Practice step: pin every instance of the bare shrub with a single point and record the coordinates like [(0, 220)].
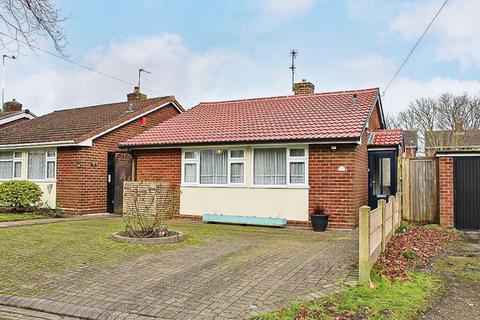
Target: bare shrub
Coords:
[(147, 208)]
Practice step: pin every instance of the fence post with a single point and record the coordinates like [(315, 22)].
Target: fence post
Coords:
[(364, 245), (381, 206), (394, 207)]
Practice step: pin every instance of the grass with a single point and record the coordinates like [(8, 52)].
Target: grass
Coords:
[(466, 268), (5, 217), (392, 300), (34, 255)]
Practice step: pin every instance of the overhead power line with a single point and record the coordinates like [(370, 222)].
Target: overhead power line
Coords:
[(414, 47), (76, 63)]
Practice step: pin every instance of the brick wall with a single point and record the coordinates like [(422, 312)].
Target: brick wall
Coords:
[(445, 181), (84, 190), (159, 165), (331, 188), (12, 123)]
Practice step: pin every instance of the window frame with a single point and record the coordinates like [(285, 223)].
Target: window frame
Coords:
[(47, 160), (12, 160), (288, 160), (196, 161)]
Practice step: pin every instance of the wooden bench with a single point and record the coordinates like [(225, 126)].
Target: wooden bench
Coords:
[(245, 220)]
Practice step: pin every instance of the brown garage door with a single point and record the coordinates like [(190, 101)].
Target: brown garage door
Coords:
[(467, 192)]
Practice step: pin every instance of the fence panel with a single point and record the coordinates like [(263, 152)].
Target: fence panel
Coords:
[(420, 185), (375, 231)]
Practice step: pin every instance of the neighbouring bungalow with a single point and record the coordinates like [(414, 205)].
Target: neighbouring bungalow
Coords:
[(73, 154), (275, 157), (13, 114), (410, 137)]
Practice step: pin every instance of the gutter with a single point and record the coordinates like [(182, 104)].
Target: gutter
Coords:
[(68, 143)]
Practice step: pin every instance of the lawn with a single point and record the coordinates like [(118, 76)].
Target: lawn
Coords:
[(5, 217), (34, 255)]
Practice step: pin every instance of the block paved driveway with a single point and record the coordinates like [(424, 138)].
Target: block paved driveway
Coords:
[(230, 279)]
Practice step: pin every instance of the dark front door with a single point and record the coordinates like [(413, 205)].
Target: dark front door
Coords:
[(466, 192), (119, 171), (110, 182), (382, 176)]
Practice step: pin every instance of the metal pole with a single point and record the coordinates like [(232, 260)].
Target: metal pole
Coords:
[(3, 81), (3, 76)]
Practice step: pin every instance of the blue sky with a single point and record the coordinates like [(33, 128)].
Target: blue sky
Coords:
[(208, 50)]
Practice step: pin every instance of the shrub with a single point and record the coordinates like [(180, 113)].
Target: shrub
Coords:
[(319, 210), (410, 255), (19, 194)]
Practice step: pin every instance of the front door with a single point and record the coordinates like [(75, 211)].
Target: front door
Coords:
[(382, 176), (119, 171), (111, 182)]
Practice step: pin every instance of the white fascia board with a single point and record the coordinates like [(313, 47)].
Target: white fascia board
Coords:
[(89, 142), (67, 143), (459, 154), (16, 117)]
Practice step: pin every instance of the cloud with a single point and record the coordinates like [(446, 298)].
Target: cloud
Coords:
[(191, 76), (457, 28), (271, 13)]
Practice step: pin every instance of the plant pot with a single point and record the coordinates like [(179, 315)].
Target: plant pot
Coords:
[(319, 222)]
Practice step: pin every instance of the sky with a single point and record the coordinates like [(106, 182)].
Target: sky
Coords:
[(211, 50)]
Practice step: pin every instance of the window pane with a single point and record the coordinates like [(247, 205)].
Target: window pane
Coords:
[(36, 165), (18, 154), (237, 154), (6, 155), (297, 152), (190, 155), (6, 169), (213, 166), (50, 169), (190, 172), (270, 167), (236, 173), (51, 153), (386, 176), (17, 173), (297, 172)]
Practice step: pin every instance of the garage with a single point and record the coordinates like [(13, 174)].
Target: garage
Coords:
[(466, 181)]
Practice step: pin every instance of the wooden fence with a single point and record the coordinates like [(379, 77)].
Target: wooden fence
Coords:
[(420, 189), (375, 231)]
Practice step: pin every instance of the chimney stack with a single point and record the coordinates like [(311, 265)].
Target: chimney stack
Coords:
[(136, 95), (304, 87), (12, 106)]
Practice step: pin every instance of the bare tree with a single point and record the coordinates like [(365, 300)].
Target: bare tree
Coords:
[(437, 120), (25, 20)]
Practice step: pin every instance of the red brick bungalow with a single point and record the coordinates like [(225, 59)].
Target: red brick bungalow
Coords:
[(275, 157), (73, 154)]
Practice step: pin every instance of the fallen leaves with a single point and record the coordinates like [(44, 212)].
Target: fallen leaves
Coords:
[(412, 249)]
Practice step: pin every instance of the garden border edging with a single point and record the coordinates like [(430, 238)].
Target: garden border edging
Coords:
[(177, 237)]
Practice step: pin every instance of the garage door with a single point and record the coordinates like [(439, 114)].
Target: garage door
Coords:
[(467, 192)]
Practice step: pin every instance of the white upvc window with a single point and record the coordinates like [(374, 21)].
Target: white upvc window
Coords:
[(213, 167), (42, 164), (280, 166), (236, 166), (10, 165), (190, 167)]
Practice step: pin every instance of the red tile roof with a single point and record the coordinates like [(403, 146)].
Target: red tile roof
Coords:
[(79, 124), (385, 137), (289, 118)]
